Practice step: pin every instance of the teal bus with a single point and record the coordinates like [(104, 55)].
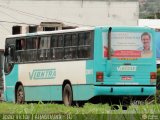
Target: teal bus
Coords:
[(79, 64)]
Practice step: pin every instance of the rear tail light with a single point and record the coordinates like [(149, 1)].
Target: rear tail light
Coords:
[(99, 76), (153, 77)]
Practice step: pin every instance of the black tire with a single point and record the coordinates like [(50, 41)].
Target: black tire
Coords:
[(67, 95), (79, 103), (20, 96)]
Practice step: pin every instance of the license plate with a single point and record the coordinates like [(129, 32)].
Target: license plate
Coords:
[(126, 78)]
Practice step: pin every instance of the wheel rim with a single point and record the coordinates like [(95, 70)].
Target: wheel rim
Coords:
[(20, 96), (67, 97)]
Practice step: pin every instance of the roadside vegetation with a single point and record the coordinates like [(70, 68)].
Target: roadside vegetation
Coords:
[(88, 112)]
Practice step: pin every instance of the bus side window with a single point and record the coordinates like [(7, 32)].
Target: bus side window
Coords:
[(80, 43), (44, 52), (59, 51), (70, 47), (87, 43), (11, 53), (87, 39), (20, 44), (29, 47), (54, 43), (67, 46), (31, 51), (9, 58), (36, 42), (84, 45), (81, 39), (20, 47), (74, 46), (57, 47), (8, 53)]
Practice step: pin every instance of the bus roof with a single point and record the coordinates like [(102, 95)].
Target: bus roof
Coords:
[(71, 30), (51, 32)]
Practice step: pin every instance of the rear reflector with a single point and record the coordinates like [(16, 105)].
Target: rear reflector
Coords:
[(153, 77), (99, 76)]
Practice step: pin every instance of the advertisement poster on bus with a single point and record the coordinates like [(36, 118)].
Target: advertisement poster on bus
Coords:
[(128, 45)]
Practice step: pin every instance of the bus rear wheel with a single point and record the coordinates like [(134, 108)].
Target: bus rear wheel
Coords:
[(20, 95), (67, 95)]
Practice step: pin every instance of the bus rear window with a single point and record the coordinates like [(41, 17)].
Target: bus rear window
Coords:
[(129, 45)]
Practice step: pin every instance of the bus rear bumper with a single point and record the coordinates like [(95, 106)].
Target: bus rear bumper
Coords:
[(125, 90)]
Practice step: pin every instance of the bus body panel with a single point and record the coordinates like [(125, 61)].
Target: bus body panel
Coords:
[(125, 90), (54, 92), (10, 83), (52, 73), (142, 67), (43, 93), (50, 87), (42, 79)]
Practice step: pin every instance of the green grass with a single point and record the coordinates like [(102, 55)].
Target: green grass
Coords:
[(88, 111), (40, 108)]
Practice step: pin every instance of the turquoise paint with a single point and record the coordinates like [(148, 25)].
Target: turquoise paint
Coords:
[(89, 71), (54, 93), (112, 75), (108, 68), (125, 90), (38, 74), (43, 93), (9, 94), (10, 81), (82, 92)]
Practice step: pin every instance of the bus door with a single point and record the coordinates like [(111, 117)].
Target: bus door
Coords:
[(9, 58)]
